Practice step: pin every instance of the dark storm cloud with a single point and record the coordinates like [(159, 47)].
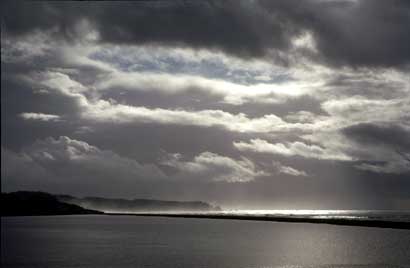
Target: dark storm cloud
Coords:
[(356, 33), (238, 28), (365, 32), (149, 142), (64, 164), (388, 147), (367, 84), (19, 96), (394, 136)]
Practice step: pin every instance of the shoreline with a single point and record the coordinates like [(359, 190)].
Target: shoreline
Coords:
[(344, 222), (403, 225)]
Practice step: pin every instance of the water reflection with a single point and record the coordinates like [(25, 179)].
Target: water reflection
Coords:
[(127, 241)]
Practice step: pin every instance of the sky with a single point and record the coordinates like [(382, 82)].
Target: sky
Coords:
[(247, 104)]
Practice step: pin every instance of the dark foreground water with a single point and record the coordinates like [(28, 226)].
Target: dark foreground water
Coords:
[(130, 241)]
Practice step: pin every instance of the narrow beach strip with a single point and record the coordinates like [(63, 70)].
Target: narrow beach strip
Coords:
[(274, 218)]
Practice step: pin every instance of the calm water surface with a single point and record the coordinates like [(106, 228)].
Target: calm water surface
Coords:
[(129, 241)]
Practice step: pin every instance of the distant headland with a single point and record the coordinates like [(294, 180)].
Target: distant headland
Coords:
[(26, 203), (136, 205)]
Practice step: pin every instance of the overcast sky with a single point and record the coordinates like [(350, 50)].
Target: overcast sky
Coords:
[(249, 104)]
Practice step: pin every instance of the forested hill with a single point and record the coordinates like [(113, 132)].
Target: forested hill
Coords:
[(24, 203)]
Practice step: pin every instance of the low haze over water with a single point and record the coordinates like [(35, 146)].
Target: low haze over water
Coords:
[(129, 241)]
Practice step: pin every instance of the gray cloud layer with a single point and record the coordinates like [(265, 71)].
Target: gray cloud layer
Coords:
[(356, 33)]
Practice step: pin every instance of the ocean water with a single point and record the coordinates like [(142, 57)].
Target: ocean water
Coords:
[(135, 241)]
